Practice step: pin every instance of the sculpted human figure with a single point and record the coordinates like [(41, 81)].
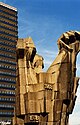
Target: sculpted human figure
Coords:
[(63, 69), (46, 98)]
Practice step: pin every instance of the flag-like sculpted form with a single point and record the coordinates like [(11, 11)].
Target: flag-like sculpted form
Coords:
[(46, 98)]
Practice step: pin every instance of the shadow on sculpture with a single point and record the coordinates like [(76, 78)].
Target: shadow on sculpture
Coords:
[(46, 98)]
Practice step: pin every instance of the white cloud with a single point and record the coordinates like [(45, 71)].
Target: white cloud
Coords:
[(78, 67), (75, 119), (75, 116)]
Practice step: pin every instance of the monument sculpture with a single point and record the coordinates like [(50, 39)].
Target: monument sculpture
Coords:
[(46, 98)]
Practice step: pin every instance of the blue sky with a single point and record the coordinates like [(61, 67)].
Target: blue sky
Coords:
[(45, 21)]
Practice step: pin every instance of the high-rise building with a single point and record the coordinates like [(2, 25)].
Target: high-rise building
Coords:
[(8, 40)]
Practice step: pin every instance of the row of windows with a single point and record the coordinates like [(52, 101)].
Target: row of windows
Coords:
[(8, 11), (8, 31), (8, 20), (8, 16), (8, 73), (10, 28), (7, 80), (7, 61), (13, 59), (6, 106), (12, 18), (7, 86), (5, 26), (7, 99), (8, 34), (8, 45), (6, 113), (7, 49), (7, 39), (13, 69), (8, 24), (8, 56), (7, 92), (7, 67)]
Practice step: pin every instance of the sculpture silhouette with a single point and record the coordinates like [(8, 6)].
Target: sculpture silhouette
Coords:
[(46, 98)]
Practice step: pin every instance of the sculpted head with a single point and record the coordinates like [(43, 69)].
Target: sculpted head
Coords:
[(30, 49)]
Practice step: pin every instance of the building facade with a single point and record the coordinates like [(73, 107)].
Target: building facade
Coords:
[(8, 39)]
